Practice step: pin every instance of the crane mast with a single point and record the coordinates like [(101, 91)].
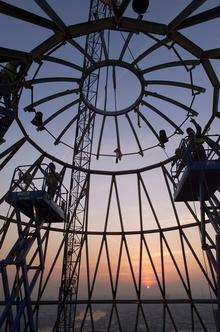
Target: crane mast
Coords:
[(77, 219)]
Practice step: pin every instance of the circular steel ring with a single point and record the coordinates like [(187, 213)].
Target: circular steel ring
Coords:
[(116, 63)]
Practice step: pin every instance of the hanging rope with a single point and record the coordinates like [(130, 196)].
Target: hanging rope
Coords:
[(114, 86)]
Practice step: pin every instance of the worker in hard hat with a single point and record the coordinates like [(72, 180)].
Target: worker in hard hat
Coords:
[(195, 142), (8, 76), (52, 180), (181, 158), (191, 150)]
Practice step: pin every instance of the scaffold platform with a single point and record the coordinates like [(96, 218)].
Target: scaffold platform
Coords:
[(188, 187), (36, 203)]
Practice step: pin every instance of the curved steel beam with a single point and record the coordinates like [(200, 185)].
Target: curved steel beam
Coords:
[(172, 101), (162, 115), (60, 111), (109, 233), (171, 65), (51, 97), (131, 24), (126, 23), (94, 171), (82, 29), (175, 84)]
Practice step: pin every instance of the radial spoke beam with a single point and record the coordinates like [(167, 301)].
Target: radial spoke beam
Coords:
[(47, 45), (53, 80), (151, 49), (26, 16), (51, 13), (195, 4), (172, 101), (75, 118), (10, 152), (162, 115), (62, 62), (117, 134), (208, 15), (175, 84), (51, 97), (104, 47), (171, 65), (60, 111), (149, 125), (134, 133), (100, 136), (127, 41), (81, 50)]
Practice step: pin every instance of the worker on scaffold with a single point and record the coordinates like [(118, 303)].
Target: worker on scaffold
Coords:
[(191, 150), (8, 76), (52, 180), (195, 142)]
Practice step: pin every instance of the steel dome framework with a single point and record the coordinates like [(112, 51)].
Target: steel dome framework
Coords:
[(27, 273)]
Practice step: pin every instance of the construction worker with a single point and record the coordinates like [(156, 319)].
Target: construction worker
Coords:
[(180, 160), (7, 78), (118, 154), (52, 180), (195, 142), (191, 150)]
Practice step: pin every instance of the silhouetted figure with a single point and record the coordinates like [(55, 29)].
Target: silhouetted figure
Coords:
[(193, 150), (195, 142), (118, 154), (52, 180), (8, 76)]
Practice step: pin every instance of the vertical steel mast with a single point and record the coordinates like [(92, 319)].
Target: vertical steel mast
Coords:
[(79, 185)]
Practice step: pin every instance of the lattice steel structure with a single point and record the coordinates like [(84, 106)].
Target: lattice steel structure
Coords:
[(79, 185), (112, 261)]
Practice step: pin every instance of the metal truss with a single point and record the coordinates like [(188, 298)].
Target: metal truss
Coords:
[(25, 279), (79, 185)]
